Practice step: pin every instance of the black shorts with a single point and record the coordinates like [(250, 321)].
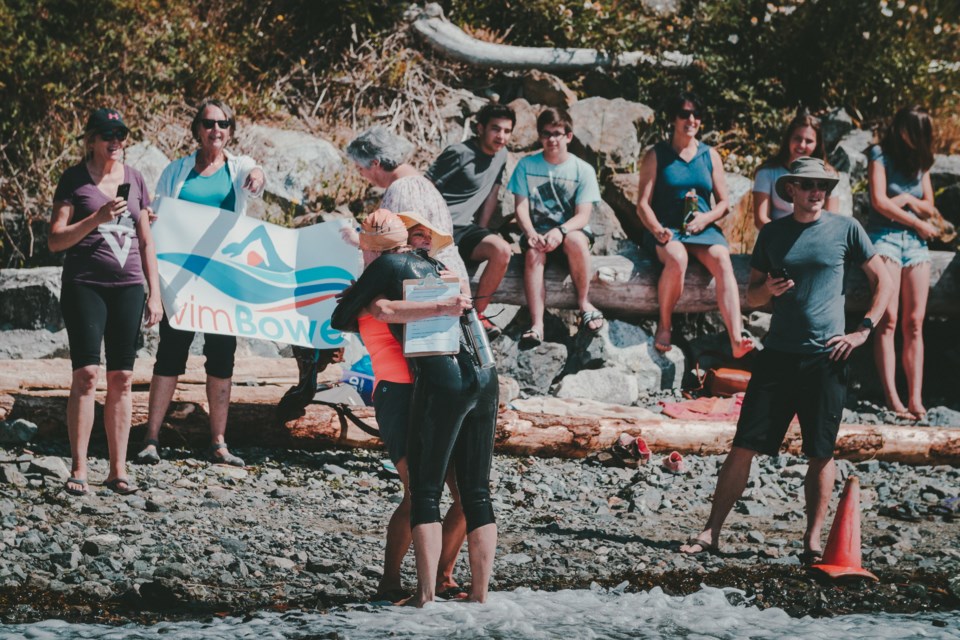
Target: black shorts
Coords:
[(109, 316), (468, 237), (811, 386), (174, 349), (391, 402)]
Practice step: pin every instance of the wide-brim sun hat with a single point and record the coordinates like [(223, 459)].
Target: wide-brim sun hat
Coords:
[(805, 168), (381, 231), (104, 120), (439, 239)]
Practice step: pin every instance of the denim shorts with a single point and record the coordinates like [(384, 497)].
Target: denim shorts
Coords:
[(903, 247)]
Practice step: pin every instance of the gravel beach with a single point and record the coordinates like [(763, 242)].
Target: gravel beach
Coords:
[(305, 529)]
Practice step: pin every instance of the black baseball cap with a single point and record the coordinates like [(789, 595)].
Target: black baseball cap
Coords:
[(105, 120)]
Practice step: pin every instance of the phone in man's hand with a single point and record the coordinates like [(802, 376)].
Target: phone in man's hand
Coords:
[(123, 191), (780, 273)]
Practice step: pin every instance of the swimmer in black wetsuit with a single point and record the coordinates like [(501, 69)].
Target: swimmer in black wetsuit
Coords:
[(453, 417)]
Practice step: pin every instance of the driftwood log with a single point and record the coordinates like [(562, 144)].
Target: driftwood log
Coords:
[(628, 286), (41, 397), (450, 41)]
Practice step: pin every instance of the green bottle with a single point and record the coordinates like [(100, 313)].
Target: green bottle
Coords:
[(690, 209)]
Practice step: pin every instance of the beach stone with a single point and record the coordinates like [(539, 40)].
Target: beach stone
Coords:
[(758, 324), (945, 171), (516, 558), (51, 466), (280, 563), (546, 89), (17, 431), (536, 368), (33, 344), (69, 560), (10, 474), (943, 417), (607, 130), (100, 544), (610, 238), (610, 384)]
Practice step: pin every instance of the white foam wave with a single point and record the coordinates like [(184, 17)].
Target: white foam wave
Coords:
[(528, 615)]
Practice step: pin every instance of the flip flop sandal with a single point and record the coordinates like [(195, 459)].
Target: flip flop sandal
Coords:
[(531, 338), (903, 512), (121, 486), (76, 492), (393, 596), (453, 593), (810, 557), (224, 458), (147, 456), (586, 317), (705, 547)]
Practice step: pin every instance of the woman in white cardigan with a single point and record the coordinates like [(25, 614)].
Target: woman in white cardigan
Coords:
[(213, 177)]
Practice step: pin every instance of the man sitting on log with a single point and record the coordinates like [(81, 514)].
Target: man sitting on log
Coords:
[(799, 263), (468, 176), (555, 194)]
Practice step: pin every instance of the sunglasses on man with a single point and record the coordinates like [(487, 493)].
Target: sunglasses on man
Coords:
[(223, 124), (116, 134), (810, 185)]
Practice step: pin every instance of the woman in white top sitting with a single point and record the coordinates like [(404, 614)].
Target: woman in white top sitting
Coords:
[(800, 138)]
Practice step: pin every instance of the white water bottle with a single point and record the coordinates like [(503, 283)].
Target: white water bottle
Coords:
[(478, 338)]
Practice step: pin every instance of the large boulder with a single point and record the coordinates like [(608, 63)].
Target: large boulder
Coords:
[(606, 131), (610, 237), (609, 384), (524, 135), (620, 191), (835, 124), (850, 154), (30, 299), (32, 344), (149, 160), (546, 89), (296, 163), (630, 348), (945, 171), (533, 369)]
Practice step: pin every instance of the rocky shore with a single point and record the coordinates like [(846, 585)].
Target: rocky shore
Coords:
[(304, 529)]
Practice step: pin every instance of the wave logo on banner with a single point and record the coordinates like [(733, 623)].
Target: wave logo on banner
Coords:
[(272, 283)]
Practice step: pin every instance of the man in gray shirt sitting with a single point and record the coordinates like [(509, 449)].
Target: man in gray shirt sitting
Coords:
[(469, 175), (799, 263)]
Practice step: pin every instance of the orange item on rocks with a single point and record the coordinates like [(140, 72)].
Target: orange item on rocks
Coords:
[(706, 408), (841, 558)]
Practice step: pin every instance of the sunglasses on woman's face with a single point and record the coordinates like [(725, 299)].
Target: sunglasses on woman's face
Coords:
[(110, 136), (223, 124), (810, 185), (684, 114)]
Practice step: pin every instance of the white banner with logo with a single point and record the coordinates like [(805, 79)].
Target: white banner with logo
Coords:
[(225, 273)]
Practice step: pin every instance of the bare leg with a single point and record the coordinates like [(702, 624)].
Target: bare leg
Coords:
[(884, 350), (534, 263), (427, 542), (454, 533), (482, 546), (398, 536), (577, 249), (716, 258), (915, 291), (731, 482), (817, 489), (80, 409), (117, 412), (162, 389), (218, 396), (669, 289), (495, 251)]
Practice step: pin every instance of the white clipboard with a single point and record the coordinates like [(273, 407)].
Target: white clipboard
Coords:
[(431, 336)]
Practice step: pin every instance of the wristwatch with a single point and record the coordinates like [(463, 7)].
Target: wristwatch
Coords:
[(563, 230), (868, 323)]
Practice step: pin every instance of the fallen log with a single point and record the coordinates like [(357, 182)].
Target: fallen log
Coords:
[(253, 422), (450, 41), (627, 285)]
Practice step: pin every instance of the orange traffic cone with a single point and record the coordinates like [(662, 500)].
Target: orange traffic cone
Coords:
[(842, 555)]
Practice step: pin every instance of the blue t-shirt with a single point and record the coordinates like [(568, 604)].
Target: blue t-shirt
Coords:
[(897, 183), (554, 190), (213, 191), (675, 177), (815, 254)]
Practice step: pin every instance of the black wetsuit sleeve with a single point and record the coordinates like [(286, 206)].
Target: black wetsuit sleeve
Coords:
[(373, 282)]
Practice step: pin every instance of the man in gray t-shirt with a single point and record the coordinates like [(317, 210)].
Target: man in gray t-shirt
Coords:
[(798, 263), (468, 176)]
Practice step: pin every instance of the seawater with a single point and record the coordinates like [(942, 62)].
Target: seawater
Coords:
[(529, 615)]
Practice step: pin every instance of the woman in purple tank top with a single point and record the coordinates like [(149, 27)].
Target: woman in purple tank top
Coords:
[(101, 221)]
